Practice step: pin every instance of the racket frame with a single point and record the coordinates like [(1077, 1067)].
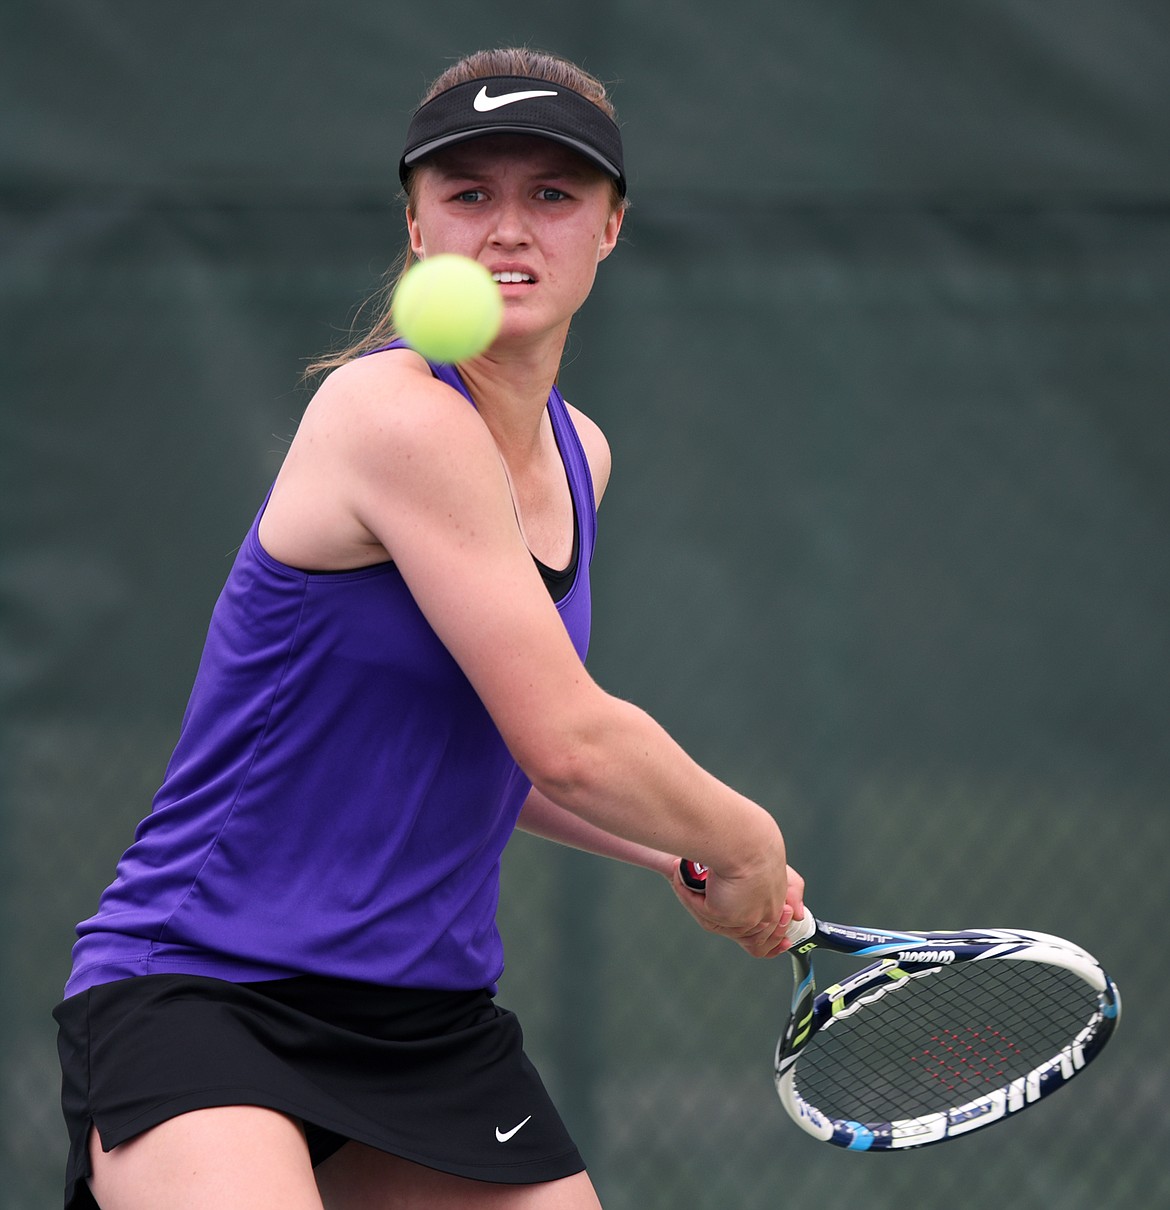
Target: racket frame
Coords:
[(899, 957), (905, 956)]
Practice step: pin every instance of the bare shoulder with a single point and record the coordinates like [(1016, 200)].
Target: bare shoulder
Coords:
[(386, 392), (387, 413), (379, 437), (596, 447)]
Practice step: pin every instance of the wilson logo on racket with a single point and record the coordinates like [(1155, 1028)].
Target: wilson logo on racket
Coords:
[(934, 956)]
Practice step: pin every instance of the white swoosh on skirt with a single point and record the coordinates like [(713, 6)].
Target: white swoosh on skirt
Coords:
[(502, 1136)]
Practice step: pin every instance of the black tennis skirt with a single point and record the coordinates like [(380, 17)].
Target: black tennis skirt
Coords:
[(440, 1078)]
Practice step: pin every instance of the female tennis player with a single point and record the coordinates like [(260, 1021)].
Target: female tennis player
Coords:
[(285, 998)]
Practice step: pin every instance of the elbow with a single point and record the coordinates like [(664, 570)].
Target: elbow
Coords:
[(567, 759), (564, 771)]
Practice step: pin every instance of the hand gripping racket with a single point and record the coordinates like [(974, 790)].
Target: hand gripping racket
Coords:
[(945, 1033)]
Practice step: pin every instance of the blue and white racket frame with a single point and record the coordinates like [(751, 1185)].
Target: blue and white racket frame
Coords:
[(897, 960), (905, 956)]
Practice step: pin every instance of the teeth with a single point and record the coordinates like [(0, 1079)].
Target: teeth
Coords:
[(510, 277)]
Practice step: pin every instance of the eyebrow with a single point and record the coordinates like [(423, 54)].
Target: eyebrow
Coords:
[(452, 166)]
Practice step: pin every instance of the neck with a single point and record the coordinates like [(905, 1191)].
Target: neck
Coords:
[(510, 387)]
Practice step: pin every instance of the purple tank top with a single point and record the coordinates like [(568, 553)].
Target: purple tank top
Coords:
[(338, 799)]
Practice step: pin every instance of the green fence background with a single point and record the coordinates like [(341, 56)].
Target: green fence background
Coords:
[(885, 364)]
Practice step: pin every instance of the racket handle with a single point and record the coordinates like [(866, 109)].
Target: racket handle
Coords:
[(694, 876)]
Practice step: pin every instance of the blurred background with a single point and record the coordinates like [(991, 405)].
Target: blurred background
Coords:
[(883, 358)]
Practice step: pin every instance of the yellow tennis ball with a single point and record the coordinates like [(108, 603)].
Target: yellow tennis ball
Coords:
[(448, 308)]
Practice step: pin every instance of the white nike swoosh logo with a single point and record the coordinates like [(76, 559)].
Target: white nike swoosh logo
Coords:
[(502, 1136), (485, 104)]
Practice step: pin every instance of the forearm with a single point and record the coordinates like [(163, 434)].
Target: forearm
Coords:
[(542, 817), (616, 783), (624, 775)]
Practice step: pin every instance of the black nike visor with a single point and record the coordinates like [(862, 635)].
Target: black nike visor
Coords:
[(515, 105)]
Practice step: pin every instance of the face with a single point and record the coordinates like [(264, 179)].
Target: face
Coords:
[(536, 214)]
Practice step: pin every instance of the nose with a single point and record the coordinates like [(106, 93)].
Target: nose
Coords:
[(511, 228)]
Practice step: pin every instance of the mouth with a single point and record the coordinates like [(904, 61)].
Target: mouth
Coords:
[(512, 277)]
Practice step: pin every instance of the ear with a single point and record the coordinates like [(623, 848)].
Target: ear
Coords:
[(416, 239), (609, 237)]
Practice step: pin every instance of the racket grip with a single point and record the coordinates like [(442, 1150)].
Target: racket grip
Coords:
[(694, 877)]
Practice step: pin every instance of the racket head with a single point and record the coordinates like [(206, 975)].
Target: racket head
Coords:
[(944, 1035)]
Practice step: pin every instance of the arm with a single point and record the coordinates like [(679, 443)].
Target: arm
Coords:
[(388, 459), (542, 817)]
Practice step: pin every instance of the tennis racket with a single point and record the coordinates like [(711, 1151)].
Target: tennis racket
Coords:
[(944, 1034)]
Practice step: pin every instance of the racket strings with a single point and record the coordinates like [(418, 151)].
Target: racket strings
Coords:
[(941, 1040)]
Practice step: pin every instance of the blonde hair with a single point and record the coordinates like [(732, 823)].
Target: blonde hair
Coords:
[(508, 61)]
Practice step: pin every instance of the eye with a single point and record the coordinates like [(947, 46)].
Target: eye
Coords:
[(469, 196), (552, 194)]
